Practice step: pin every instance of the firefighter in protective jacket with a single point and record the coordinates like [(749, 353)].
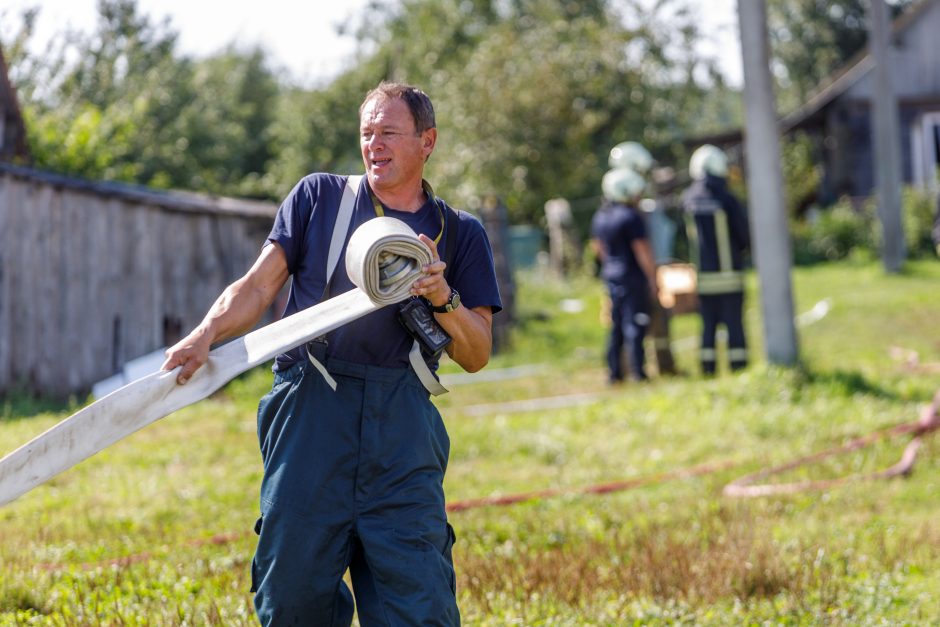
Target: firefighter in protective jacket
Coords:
[(718, 239)]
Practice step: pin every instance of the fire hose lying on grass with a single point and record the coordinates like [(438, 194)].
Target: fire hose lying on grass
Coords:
[(929, 421), (744, 487), (748, 485), (375, 247)]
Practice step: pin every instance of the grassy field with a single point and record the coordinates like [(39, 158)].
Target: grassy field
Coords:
[(156, 529)]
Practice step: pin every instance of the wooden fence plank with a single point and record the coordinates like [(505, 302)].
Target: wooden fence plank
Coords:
[(90, 278)]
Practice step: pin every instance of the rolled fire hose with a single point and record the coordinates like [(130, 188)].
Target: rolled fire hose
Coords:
[(383, 259)]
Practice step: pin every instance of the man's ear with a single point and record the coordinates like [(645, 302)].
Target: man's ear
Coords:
[(428, 141)]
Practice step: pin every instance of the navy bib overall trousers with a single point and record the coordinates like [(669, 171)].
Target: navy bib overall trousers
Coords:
[(353, 478)]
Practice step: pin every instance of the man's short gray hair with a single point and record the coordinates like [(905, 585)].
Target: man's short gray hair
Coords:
[(418, 102)]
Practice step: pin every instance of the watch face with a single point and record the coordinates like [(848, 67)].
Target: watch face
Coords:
[(453, 302)]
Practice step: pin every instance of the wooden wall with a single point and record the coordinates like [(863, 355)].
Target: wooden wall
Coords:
[(914, 57), (94, 275), (915, 74)]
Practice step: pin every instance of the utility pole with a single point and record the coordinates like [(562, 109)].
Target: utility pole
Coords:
[(886, 132), (769, 225)]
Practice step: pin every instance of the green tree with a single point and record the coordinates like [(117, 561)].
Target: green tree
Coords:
[(227, 126), (811, 39), (318, 130), (532, 94), (104, 105), (121, 104)]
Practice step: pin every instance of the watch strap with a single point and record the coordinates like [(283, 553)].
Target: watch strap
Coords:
[(453, 302)]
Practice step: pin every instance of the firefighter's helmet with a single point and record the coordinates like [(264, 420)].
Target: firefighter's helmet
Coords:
[(630, 155), (708, 159), (622, 185)]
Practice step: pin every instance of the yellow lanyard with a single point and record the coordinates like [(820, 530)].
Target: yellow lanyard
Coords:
[(380, 211)]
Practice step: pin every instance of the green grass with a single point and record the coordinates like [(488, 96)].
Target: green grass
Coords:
[(156, 530)]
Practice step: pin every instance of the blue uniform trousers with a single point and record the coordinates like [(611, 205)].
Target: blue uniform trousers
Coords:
[(630, 318), (353, 479)]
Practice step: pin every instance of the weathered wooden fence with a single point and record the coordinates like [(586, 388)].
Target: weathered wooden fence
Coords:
[(93, 275)]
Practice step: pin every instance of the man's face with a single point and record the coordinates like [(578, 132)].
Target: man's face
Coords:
[(393, 152)]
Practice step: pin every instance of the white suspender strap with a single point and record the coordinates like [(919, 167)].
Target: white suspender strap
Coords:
[(421, 368), (341, 227), (340, 230), (428, 380), (330, 381)]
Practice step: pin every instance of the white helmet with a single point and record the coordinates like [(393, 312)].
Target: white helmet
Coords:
[(622, 184), (708, 159), (630, 155)]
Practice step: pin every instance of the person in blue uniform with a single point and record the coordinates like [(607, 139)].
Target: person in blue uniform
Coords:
[(634, 156), (620, 242), (353, 477), (718, 237)]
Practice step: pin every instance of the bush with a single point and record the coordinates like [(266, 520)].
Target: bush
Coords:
[(845, 229), (918, 214), (835, 233), (801, 174)]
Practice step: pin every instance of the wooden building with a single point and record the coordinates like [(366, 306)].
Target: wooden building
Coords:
[(838, 114), (93, 275)]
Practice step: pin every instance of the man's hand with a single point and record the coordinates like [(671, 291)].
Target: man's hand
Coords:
[(191, 353), (432, 285), (470, 329)]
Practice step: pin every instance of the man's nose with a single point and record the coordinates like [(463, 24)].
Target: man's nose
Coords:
[(375, 142)]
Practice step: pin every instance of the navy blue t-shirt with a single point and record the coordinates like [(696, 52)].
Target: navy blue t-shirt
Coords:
[(303, 227), (617, 225)]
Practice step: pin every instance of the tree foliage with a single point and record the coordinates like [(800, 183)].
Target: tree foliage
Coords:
[(120, 103), (813, 38), (530, 96)]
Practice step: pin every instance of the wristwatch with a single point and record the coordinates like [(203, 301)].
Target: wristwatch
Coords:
[(452, 303)]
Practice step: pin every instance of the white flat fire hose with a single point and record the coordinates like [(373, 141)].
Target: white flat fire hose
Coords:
[(383, 259)]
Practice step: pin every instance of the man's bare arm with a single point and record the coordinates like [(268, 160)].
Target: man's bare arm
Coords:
[(471, 329), (240, 306), (472, 333)]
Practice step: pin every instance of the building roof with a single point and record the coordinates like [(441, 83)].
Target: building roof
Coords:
[(830, 88), (173, 200), (851, 72)]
